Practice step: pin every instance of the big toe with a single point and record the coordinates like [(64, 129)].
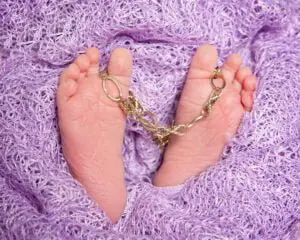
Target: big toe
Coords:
[(119, 70), (197, 87), (120, 67)]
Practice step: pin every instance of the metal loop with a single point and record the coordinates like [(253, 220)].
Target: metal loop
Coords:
[(133, 108), (106, 78), (179, 129), (217, 73)]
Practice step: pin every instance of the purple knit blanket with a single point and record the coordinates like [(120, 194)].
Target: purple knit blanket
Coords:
[(252, 193)]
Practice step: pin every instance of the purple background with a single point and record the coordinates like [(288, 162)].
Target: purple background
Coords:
[(253, 193)]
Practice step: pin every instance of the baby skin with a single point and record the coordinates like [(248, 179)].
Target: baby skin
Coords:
[(92, 126)]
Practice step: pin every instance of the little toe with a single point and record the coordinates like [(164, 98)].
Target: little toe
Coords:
[(231, 66), (71, 72), (68, 83), (249, 86), (66, 90), (249, 83), (94, 56), (247, 100), (242, 73)]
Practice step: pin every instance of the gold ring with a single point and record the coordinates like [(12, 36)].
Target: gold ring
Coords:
[(217, 73), (106, 78)]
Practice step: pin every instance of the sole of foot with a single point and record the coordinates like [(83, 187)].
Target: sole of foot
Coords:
[(92, 127), (202, 145)]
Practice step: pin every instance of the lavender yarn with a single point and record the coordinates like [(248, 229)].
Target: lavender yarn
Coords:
[(253, 193)]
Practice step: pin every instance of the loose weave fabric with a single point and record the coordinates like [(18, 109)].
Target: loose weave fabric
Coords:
[(252, 193)]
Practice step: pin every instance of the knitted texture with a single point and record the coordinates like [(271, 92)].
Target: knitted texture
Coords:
[(252, 193)]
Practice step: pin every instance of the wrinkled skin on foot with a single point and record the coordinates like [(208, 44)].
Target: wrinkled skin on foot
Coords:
[(92, 128), (202, 145)]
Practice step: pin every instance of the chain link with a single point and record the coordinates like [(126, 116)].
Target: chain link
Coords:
[(161, 135)]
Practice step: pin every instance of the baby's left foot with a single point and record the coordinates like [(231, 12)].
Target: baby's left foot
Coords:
[(202, 145), (92, 127)]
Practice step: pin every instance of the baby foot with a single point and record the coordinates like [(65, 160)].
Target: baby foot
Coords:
[(92, 128), (202, 145)]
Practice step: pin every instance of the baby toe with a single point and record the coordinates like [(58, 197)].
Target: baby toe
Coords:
[(83, 62), (71, 72), (68, 83), (93, 54), (249, 83)]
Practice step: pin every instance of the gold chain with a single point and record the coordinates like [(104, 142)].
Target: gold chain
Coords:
[(133, 108)]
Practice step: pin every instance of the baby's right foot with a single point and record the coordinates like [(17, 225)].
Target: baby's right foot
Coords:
[(92, 128), (202, 145)]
